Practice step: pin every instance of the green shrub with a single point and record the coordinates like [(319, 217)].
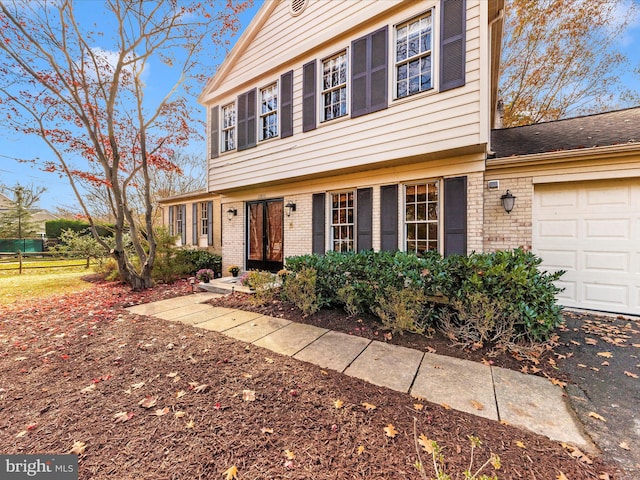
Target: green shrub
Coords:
[(167, 268), (194, 260), (300, 289), (262, 283), (402, 309)]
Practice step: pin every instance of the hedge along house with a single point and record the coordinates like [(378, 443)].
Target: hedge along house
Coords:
[(349, 125), (577, 183)]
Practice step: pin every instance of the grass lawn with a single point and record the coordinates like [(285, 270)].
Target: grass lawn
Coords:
[(41, 283)]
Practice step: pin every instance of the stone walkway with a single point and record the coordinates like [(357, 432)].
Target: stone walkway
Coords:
[(525, 401)]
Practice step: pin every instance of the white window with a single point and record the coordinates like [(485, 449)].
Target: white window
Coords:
[(413, 56), (342, 222), (204, 219), (269, 112), (334, 87), (229, 127), (179, 220), (421, 203)]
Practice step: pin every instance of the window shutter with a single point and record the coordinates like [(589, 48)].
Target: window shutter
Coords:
[(247, 120), (364, 218), (452, 44), (369, 73), (286, 104), (215, 132), (309, 96), (209, 223), (171, 217), (194, 224), (455, 216), (184, 224), (318, 222), (389, 218)]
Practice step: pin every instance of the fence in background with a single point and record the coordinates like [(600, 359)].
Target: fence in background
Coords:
[(21, 261), (22, 245)]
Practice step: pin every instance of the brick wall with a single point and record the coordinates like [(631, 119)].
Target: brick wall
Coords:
[(502, 230), (475, 212), (233, 237), (297, 227)]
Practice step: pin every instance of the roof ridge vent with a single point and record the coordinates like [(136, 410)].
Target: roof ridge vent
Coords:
[(296, 7)]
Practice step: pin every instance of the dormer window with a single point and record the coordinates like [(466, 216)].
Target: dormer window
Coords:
[(269, 112), (413, 56)]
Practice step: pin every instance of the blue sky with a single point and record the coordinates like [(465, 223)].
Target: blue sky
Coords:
[(59, 194)]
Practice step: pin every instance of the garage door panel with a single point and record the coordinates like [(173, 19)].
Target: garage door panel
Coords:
[(608, 228), (591, 230), (606, 262), (554, 229)]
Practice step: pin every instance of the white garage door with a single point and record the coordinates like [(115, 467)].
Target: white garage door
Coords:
[(591, 230)]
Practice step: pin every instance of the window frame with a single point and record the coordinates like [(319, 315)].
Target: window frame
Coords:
[(431, 54), (275, 87), (228, 129), (438, 222), (179, 221), (333, 88), (203, 221), (338, 227)]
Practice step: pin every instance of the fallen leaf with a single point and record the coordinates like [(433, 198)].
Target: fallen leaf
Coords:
[(172, 374), (338, 403), (446, 406), (180, 394), (247, 375), (418, 406), (360, 450), (425, 443), (201, 388), (268, 360), (148, 402), (138, 385), (289, 454), (629, 374), (561, 476), (590, 341), (605, 363), (21, 434), (637, 345), (604, 476), (595, 415), (605, 354), (477, 405), (78, 448), (190, 424), (431, 350), (248, 395), (267, 430), (324, 372), (231, 473), (624, 446), (122, 417), (390, 431), (557, 382), (180, 414), (504, 422), (161, 411), (520, 444), (595, 369), (575, 343), (582, 365), (88, 389), (368, 406)]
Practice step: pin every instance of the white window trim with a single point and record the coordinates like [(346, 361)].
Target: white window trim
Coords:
[(435, 56), (330, 224), (320, 83), (260, 115), (403, 207), (203, 220), (223, 130)]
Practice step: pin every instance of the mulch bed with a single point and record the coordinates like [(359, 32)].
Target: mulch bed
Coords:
[(149, 399)]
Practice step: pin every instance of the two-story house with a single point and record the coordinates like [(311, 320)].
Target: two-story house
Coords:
[(350, 125)]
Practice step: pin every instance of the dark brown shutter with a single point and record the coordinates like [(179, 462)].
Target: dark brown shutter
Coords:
[(318, 222), (369, 73), (171, 217), (452, 44), (215, 132), (247, 120), (309, 96), (286, 104), (183, 226), (194, 224), (364, 218), (209, 223), (389, 218), (455, 215)]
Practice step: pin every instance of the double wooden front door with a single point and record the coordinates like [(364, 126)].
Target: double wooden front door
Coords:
[(265, 233)]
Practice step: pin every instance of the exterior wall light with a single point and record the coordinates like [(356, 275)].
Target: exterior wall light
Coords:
[(290, 207), (232, 212), (508, 201)]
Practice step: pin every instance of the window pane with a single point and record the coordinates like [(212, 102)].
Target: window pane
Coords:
[(422, 212), (433, 211), (433, 231), (421, 193)]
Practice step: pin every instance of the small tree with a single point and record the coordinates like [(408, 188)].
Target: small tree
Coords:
[(82, 244), (18, 222)]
